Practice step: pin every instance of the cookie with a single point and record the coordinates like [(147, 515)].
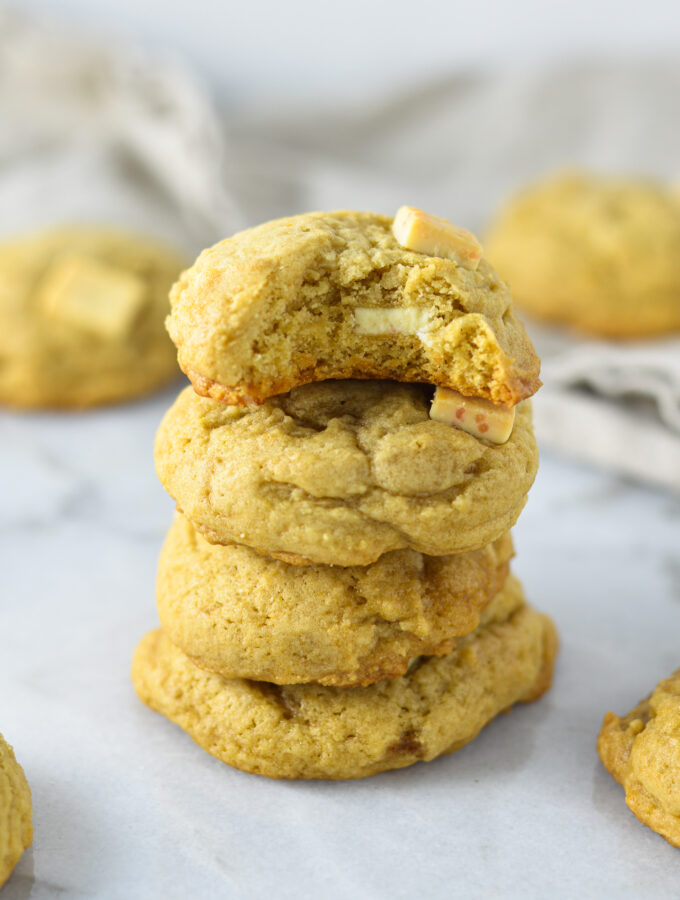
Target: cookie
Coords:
[(341, 472), (82, 314), (334, 296), (16, 816), (244, 615), (312, 731), (599, 255), (642, 751)]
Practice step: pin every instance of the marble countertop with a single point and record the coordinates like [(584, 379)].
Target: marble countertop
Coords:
[(127, 806)]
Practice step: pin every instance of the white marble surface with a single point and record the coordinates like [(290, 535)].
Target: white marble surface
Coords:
[(126, 806)]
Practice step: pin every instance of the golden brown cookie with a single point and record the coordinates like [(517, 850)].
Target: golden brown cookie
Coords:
[(244, 615), (642, 752), (16, 816), (597, 254), (82, 314), (312, 731), (332, 296), (341, 472)]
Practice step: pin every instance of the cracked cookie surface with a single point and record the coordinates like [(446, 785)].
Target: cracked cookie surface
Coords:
[(244, 615), (642, 751), (312, 731), (341, 472), (334, 296), (16, 816), (597, 254), (82, 314)]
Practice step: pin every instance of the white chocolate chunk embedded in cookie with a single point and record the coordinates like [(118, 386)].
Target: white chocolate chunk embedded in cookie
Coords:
[(419, 231), (91, 296), (392, 320), (476, 416)]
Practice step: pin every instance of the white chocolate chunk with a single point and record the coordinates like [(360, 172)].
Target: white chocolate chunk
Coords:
[(419, 231), (392, 320), (92, 296), (478, 417)]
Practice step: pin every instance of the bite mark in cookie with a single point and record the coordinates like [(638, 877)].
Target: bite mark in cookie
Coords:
[(326, 296)]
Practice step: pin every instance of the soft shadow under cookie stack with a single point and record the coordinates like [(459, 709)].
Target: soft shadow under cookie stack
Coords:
[(334, 593)]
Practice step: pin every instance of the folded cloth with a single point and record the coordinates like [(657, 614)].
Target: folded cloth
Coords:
[(95, 132), (644, 369), (614, 404), (624, 438)]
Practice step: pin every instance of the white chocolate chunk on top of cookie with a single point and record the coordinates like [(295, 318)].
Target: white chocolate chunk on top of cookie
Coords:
[(476, 416), (392, 320), (419, 231), (92, 296)]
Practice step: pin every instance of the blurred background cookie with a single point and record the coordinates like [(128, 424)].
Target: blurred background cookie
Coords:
[(82, 313), (599, 255)]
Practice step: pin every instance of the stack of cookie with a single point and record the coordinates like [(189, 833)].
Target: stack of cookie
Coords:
[(334, 593)]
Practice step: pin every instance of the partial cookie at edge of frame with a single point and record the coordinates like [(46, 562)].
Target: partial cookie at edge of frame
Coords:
[(641, 750), (16, 815)]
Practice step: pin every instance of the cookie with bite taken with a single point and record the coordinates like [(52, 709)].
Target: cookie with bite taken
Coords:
[(338, 295)]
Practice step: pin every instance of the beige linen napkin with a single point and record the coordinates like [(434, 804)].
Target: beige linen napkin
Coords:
[(614, 404)]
